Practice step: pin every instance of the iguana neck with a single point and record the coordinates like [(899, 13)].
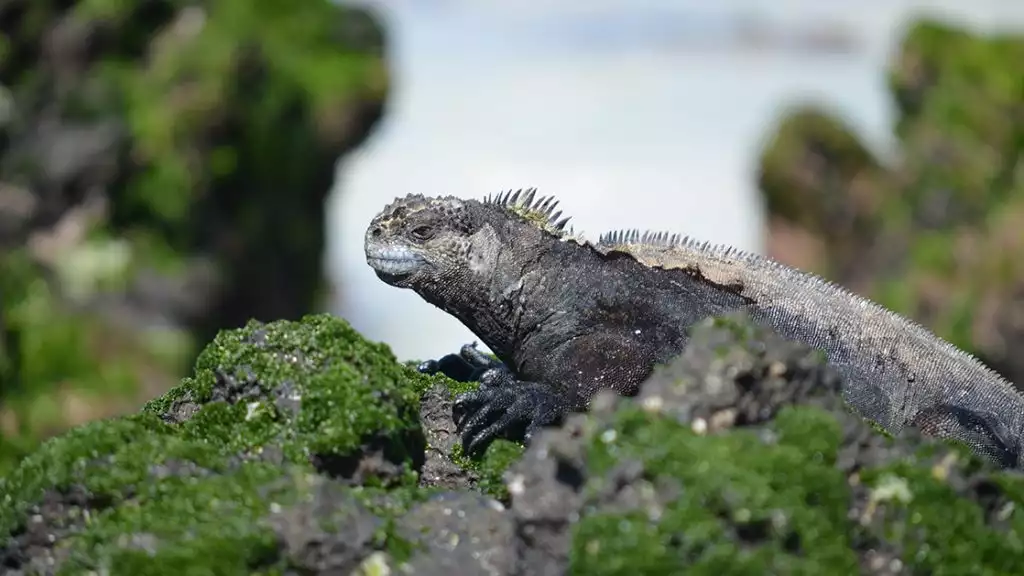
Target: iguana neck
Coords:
[(503, 306)]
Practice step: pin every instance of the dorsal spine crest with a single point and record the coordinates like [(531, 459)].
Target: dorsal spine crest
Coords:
[(749, 261), (541, 211), (659, 239)]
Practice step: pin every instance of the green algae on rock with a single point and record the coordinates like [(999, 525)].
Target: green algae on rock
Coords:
[(730, 452), (124, 494), (200, 477), (314, 391), (788, 478), (298, 447), (724, 503), (777, 496)]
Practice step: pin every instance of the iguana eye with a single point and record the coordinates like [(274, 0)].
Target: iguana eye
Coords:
[(422, 232)]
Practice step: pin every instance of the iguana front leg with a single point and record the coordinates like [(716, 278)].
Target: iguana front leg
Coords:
[(468, 365), (567, 374), (502, 406)]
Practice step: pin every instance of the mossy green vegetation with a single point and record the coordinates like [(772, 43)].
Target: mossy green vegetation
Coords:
[(786, 495), (190, 480), (313, 387), (50, 353), (939, 530), (490, 467), (207, 507), (285, 418), (813, 489), (200, 73), (203, 137), (748, 499)]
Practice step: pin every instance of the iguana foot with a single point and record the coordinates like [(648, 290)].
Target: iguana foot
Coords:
[(468, 365), (503, 407)]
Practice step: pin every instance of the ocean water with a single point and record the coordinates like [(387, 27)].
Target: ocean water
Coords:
[(634, 113)]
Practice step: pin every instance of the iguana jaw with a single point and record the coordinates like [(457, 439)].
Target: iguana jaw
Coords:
[(394, 264)]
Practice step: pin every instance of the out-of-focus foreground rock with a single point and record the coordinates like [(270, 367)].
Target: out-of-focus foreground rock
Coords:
[(938, 232), (163, 170)]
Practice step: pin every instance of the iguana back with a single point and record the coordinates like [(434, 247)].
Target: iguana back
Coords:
[(897, 372)]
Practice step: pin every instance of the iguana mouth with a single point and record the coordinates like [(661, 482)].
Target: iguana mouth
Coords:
[(395, 263)]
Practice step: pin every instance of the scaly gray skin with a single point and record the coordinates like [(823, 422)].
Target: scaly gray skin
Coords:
[(566, 318)]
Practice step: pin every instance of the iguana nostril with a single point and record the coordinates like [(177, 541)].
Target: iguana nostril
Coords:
[(376, 232)]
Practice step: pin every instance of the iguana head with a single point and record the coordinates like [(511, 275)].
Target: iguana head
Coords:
[(430, 243), (417, 239)]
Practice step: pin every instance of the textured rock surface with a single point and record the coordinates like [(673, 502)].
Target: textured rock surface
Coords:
[(298, 447)]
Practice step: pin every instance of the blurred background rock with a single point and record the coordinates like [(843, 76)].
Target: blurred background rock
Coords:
[(168, 168), (163, 171), (935, 230)]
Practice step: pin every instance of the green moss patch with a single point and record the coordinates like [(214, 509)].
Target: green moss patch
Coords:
[(774, 499), (313, 389), (949, 518), (721, 503), (195, 478)]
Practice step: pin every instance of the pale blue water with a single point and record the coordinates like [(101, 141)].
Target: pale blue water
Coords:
[(635, 113)]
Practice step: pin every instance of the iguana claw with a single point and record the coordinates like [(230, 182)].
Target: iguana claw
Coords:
[(502, 407)]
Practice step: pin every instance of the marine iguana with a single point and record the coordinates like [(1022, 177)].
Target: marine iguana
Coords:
[(566, 317)]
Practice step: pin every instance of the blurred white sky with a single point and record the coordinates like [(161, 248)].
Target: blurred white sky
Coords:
[(634, 113)]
